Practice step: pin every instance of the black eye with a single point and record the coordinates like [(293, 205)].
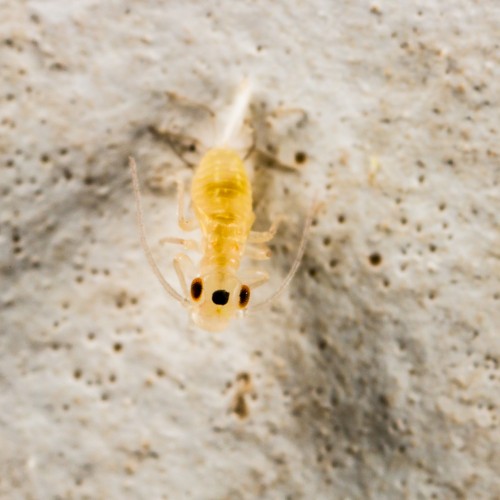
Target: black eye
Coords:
[(196, 289), (220, 297), (244, 296)]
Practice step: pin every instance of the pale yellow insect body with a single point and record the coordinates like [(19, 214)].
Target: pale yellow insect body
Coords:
[(221, 198)]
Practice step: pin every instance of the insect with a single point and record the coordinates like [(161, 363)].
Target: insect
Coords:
[(216, 290)]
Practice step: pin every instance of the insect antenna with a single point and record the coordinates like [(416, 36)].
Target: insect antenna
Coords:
[(144, 242), (315, 207)]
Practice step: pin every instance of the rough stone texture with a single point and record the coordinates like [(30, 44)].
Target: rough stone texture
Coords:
[(375, 376)]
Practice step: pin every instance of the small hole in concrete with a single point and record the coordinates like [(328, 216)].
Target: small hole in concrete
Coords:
[(300, 157), (240, 406), (375, 259), (322, 344)]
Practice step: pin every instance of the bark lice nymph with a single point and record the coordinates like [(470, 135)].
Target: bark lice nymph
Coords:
[(220, 192)]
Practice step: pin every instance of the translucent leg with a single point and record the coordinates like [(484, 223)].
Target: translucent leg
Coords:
[(257, 253), (189, 103), (275, 161), (184, 266), (254, 277), (251, 149), (280, 112), (180, 144), (315, 207), (184, 223), (272, 120), (265, 236), (187, 244)]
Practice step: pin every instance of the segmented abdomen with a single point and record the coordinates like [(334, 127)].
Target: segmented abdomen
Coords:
[(222, 201)]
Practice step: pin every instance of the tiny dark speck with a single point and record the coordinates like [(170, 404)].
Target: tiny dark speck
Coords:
[(375, 259)]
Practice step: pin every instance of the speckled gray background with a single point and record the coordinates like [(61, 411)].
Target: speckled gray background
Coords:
[(375, 376)]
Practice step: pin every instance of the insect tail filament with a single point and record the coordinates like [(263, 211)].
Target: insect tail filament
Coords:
[(237, 115)]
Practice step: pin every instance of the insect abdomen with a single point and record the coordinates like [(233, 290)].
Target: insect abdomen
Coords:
[(222, 200)]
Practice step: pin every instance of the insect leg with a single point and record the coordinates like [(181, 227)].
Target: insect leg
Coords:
[(257, 253), (264, 236), (184, 223), (251, 149), (183, 266), (254, 277), (188, 244), (189, 103), (274, 161), (268, 154), (315, 207), (282, 111), (144, 242), (180, 144)]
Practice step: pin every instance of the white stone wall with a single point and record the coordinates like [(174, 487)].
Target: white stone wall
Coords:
[(376, 375)]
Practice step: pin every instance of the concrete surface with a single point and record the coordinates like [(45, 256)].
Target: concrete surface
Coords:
[(376, 375)]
